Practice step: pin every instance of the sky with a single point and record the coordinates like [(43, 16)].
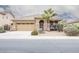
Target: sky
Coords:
[(63, 11)]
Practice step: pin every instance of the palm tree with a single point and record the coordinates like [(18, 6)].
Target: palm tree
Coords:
[(48, 14)]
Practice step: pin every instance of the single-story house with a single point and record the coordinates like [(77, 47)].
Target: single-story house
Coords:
[(30, 23), (75, 22)]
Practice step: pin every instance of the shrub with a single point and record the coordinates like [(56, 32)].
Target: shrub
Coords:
[(2, 30), (76, 25), (63, 23), (71, 30), (35, 32), (60, 27)]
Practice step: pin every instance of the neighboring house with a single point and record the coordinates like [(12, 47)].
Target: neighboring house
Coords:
[(5, 18), (30, 23), (75, 22)]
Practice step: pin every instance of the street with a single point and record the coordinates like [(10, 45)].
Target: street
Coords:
[(39, 46)]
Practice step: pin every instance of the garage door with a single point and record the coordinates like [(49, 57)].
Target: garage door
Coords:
[(25, 26)]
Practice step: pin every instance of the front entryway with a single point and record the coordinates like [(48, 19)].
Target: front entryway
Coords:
[(41, 24), (53, 25)]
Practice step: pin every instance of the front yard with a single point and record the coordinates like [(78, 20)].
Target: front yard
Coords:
[(27, 35)]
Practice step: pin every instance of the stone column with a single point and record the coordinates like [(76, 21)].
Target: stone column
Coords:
[(37, 24), (45, 25), (48, 26)]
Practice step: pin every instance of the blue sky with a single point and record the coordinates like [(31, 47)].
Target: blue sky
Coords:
[(64, 11)]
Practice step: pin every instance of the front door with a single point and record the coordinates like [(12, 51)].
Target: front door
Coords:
[(53, 26), (41, 24)]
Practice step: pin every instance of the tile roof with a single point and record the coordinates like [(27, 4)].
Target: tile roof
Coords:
[(33, 17)]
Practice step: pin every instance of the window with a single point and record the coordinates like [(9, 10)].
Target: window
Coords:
[(25, 23), (19, 23)]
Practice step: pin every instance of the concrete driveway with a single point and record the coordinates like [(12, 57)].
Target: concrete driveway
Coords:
[(15, 35)]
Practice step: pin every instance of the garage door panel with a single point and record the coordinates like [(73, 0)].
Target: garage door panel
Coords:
[(25, 27)]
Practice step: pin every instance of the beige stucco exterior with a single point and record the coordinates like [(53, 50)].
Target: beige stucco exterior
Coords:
[(29, 24)]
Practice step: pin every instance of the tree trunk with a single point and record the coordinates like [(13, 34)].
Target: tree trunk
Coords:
[(48, 29)]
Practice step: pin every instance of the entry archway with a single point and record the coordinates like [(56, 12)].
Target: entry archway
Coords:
[(41, 24), (53, 25)]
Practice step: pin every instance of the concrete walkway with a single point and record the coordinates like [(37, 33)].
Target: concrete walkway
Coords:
[(53, 33)]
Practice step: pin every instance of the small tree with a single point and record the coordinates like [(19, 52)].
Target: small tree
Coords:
[(48, 14)]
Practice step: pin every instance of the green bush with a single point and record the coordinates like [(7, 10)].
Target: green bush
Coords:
[(2, 30), (35, 32), (71, 30), (76, 25), (60, 27), (62, 23)]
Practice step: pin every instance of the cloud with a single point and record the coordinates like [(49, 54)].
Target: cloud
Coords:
[(24, 10), (1, 9)]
